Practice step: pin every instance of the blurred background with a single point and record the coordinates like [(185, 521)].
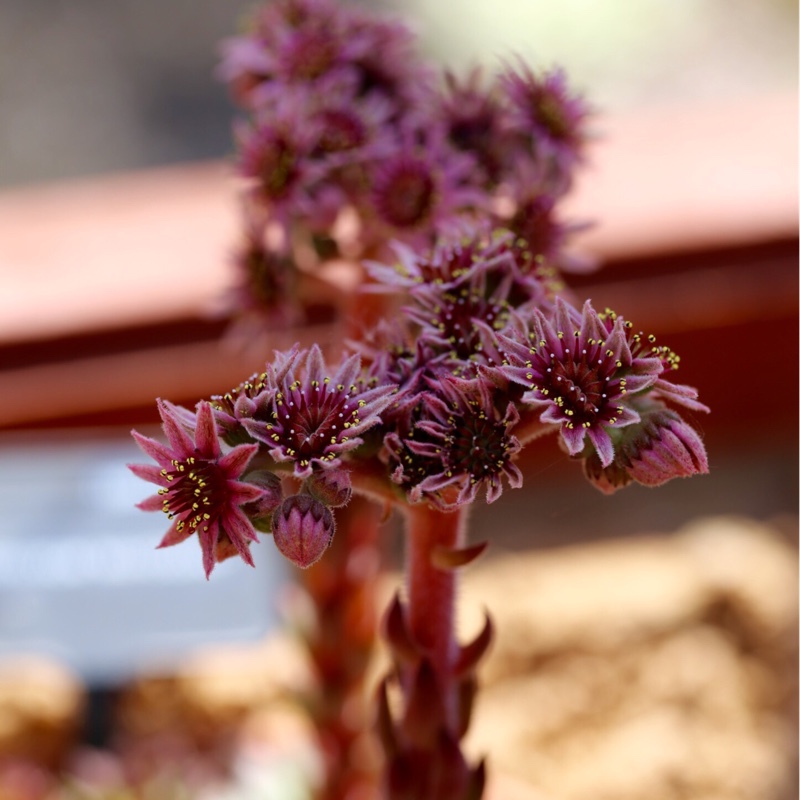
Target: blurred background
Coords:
[(89, 87), (117, 214)]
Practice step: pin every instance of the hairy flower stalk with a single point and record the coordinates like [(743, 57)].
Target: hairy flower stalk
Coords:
[(465, 347)]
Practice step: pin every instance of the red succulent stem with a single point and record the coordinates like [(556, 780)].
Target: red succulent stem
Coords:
[(431, 594), (342, 587), (435, 674)]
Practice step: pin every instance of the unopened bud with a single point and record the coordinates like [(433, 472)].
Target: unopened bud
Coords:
[(303, 528), (332, 487), (260, 511)]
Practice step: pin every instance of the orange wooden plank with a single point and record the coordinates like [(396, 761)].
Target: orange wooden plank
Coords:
[(128, 249)]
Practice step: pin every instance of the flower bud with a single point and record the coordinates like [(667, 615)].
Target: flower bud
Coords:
[(302, 527), (260, 511), (657, 449), (332, 487)]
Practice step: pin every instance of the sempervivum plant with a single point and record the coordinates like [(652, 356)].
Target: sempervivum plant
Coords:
[(449, 191)]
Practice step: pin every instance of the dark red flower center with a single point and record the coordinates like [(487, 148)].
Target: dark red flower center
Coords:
[(581, 386), (548, 111), (309, 55), (197, 493), (406, 195), (456, 319), (341, 131), (277, 168), (307, 421), (477, 445)]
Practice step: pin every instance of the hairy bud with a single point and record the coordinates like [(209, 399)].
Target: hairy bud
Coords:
[(303, 529)]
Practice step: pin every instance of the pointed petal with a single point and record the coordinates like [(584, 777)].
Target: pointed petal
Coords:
[(174, 536), (178, 439), (637, 383), (566, 318), (157, 451), (627, 417), (239, 528), (240, 493), (148, 472), (573, 438), (552, 414), (618, 344), (680, 394), (233, 464), (208, 544), (348, 372), (205, 435), (514, 475), (257, 429), (602, 444), (315, 364), (153, 503)]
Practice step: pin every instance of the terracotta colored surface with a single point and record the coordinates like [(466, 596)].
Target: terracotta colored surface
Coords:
[(114, 250), (152, 245), (691, 178), (117, 255)]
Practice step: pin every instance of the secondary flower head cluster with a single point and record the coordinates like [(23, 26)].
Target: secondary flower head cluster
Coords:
[(351, 139), (299, 421), (434, 408), (489, 354)]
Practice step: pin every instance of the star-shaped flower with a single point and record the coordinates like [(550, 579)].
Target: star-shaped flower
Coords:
[(317, 417), (200, 490), (578, 370), (457, 445)]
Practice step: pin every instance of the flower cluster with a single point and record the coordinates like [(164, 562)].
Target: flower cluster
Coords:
[(502, 357), (480, 347), (484, 358), (350, 140), (300, 422)]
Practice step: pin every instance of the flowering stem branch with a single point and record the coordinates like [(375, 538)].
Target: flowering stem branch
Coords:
[(434, 673), (342, 587), (431, 593)]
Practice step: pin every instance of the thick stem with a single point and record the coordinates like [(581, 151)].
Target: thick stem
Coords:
[(342, 587), (435, 675), (431, 594)]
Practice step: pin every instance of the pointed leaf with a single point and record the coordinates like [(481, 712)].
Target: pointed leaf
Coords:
[(384, 722), (470, 654), (446, 558), (477, 782), (397, 635), (424, 716), (467, 689)]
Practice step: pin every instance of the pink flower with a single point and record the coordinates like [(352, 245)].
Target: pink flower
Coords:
[(472, 119), (547, 116), (456, 256), (456, 445), (199, 487), (316, 417), (579, 371), (275, 155), (422, 186)]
